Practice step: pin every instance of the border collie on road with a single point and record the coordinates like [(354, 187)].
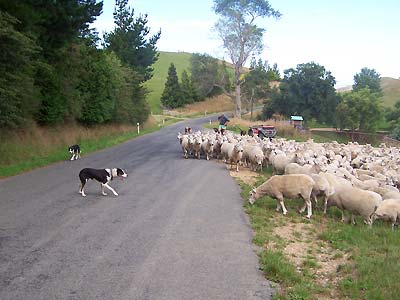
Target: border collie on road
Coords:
[(104, 176)]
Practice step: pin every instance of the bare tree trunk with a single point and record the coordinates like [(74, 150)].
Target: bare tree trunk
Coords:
[(251, 104), (238, 106), (238, 109)]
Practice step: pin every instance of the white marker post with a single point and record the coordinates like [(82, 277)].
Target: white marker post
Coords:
[(138, 129)]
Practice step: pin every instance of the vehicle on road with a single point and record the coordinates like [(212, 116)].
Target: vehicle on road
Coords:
[(262, 131)]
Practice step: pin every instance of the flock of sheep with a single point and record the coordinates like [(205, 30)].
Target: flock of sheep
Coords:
[(361, 179)]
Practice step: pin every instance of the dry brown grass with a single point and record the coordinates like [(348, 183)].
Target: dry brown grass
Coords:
[(42, 141), (282, 127), (247, 116), (211, 105)]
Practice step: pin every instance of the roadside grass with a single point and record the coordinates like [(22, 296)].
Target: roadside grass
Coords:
[(37, 147), (376, 255), (277, 267), (287, 131), (323, 258), (211, 105)]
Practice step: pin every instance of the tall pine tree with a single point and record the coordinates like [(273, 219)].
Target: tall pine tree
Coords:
[(130, 40), (172, 94), (188, 91)]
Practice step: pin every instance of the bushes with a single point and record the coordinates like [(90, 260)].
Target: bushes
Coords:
[(51, 71)]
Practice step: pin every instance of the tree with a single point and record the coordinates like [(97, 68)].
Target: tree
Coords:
[(392, 114), (367, 78), (172, 94), (395, 134), (52, 27), (130, 40), (99, 86), (273, 73), (240, 35), (204, 70), (360, 109), (54, 24), (307, 90), (18, 95), (188, 90), (256, 83)]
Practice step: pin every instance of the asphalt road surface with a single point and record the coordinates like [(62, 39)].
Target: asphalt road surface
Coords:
[(177, 230)]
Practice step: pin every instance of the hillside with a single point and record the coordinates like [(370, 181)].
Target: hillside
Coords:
[(155, 85), (181, 60), (390, 88)]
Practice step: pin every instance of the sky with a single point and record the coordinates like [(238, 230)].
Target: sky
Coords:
[(343, 36)]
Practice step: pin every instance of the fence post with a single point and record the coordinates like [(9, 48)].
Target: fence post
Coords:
[(138, 128)]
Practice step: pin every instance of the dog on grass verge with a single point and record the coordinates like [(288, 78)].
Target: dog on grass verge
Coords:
[(104, 176), (75, 150)]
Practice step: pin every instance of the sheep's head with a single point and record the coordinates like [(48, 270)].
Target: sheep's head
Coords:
[(252, 197), (238, 148), (259, 159)]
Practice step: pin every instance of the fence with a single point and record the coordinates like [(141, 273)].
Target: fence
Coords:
[(391, 142), (364, 138)]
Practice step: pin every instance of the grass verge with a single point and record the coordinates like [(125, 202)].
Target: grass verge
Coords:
[(37, 147), (323, 258)]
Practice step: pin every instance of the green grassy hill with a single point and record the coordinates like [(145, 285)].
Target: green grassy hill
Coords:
[(390, 88), (181, 60), (155, 85), (391, 91)]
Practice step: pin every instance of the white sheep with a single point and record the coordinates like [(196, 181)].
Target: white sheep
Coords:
[(336, 183), (355, 200), (388, 210), (217, 147), (225, 147), (322, 187), (280, 161), (391, 195), (186, 145), (207, 147), (196, 147), (255, 158), (295, 168), (289, 186), (235, 155)]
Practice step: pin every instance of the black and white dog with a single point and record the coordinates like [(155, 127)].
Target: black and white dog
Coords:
[(75, 150), (104, 176)]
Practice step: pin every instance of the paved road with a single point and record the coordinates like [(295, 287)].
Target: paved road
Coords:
[(176, 231)]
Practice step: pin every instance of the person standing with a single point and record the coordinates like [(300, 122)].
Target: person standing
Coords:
[(223, 120)]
